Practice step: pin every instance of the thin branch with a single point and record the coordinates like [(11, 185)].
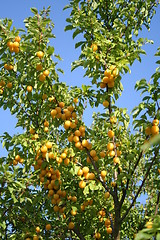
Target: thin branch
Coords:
[(141, 186), (157, 203), (128, 179), (77, 232)]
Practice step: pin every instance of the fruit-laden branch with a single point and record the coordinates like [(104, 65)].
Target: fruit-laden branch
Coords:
[(99, 176), (128, 179), (140, 188), (157, 203)]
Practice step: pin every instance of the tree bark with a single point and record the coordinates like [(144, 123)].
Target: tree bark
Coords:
[(117, 237), (117, 223)]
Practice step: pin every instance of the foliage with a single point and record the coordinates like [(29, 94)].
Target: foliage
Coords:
[(62, 179)]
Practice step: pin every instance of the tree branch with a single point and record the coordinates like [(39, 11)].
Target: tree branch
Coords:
[(128, 179), (77, 232), (99, 176), (141, 186), (157, 203)]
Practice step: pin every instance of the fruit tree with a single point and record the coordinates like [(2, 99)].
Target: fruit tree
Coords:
[(62, 179)]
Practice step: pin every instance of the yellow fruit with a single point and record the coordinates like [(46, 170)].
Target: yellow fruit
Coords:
[(74, 199), (15, 45), (46, 73), (110, 146), (48, 145), (85, 169), (63, 155), (40, 54), (110, 134), (148, 131), (89, 146), (61, 104), (73, 213), (44, 96), (103, 173), (94, 47), (76, 139), (53, 112), (32, 130), (66, 161), (77, 133), (15, 162), (80, 172), (116, 160), (78, 145), (46, 123), (67, 124), (82, 184), (105, 79), (71, 225), (155, 122), (102, 85), (91, 176), (17, 158), (107, 222), (56, 208), (85, 143), (149, 224), (105, 103), (97, 235), (113, 184), (38, 229), (75, 100), (48, 226), (42, 77), (2, 83), (107, 195), (16, 49), (82, 129), (46, 129), (9, 85), (112, 153), (17, 39), (109, 230), (39, 67), (111, 84), (113, 119), (102, 154), (44, 149), (93, 153), (9, 44), (154, 130), (35, 237), (118, 153), (29, 88), (107, 73)]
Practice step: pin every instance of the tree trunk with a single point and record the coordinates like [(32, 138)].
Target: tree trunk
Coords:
[(117, 225), (117, 237)]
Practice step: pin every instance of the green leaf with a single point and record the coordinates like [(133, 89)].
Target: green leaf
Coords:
[(78, 44), (142, 236), (158, 236), (76, 32), (50, 50), (60, 70), (86, 190), (66, 7), (34, 10), (68, 27)]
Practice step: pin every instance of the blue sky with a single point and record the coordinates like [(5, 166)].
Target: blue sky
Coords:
[(64, 45)]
